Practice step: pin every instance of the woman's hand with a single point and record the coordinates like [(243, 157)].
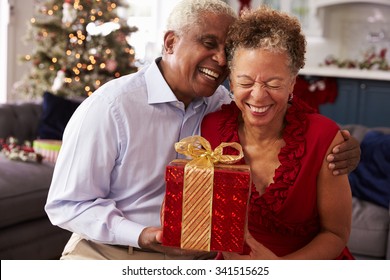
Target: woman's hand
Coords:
[(258, 251)]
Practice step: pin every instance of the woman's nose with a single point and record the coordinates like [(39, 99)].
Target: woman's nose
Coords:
[(258, 90)]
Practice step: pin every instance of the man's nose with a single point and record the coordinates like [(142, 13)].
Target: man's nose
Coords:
[(220, 57)]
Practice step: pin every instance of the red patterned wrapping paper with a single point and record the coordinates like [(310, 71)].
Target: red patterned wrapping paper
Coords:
[(231, 192)]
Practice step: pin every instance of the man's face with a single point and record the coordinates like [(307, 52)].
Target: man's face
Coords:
[(197, 62)]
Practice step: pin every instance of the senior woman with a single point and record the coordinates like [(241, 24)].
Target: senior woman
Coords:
[(298, 209)]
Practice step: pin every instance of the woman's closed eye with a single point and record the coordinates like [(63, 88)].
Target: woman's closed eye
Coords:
[(273, 87), (245, 85)]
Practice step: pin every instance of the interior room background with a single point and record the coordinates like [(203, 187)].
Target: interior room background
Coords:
[(340, 34), (345, 29)]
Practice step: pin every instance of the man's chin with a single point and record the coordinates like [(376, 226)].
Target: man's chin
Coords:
[(206, 93), (207, 90)]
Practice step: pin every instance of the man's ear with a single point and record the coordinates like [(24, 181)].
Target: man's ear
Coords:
[(169, 42)]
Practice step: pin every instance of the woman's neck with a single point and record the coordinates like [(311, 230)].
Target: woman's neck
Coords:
[(264, 135)]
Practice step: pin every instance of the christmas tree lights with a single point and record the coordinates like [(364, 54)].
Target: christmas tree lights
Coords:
[(78, 46)]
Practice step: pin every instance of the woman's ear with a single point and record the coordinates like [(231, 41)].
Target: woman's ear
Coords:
[(231, 86), (169, 42), (293, 81)]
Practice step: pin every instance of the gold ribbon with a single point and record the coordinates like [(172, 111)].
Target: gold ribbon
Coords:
[(198, 188)]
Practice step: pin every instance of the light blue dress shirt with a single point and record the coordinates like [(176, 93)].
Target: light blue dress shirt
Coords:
[(108, 183)]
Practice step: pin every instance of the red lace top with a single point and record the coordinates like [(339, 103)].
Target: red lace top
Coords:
[(285, 217)]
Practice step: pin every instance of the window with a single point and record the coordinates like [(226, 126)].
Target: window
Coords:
[(150, 17)]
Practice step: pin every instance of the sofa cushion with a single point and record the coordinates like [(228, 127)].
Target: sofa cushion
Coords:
[(33, 240), (23, 190), (370, 229), (370, 181), (55, 116), (359, 131), (20, 121)]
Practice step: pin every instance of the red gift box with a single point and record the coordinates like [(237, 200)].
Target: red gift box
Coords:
[(206, 219)]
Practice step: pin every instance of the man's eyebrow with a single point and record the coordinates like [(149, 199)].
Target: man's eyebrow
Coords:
[(208, 36)]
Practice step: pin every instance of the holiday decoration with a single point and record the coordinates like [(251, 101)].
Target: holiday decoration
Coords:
[(58, 81), (69, 14), (13, 151), (206, 199), (372, 60), (316, 91), (78, 46), (245, 4)]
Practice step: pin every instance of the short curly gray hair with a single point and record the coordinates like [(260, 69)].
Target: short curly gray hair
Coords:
[(269, 29), (188, 13)]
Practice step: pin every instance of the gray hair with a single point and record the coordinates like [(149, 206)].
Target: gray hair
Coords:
[(266, 28), (188, 13)]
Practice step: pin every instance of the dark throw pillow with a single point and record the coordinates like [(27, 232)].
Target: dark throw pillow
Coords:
[(55, 115), (370, 181)]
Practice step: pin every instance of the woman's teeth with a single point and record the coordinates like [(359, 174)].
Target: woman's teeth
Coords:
[(259, 109)]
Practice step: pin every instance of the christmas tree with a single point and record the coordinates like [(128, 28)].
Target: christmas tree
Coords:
[(78, 46)]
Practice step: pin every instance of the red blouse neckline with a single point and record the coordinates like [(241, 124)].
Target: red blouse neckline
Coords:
[(289, 155)]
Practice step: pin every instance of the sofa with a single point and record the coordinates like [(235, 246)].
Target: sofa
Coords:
[(25, 230), (370, 184)]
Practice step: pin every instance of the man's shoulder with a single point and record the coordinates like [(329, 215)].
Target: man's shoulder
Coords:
[(131, 83), (223, 93), (132, 80), (220, 97)]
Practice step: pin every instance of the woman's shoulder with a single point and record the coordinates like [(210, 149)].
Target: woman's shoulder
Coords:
[(315, 122), (322, 125)]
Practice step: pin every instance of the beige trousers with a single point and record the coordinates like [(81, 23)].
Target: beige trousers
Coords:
[(79, 248)]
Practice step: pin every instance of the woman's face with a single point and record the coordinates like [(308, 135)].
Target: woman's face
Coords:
[(261, 82)]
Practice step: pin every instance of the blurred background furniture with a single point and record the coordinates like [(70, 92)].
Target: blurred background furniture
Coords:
[(25, 230), (370, 183)]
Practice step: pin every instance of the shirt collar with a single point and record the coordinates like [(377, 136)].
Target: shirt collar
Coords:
[(158, 89)]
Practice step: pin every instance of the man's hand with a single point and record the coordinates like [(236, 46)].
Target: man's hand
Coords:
[(345, 157), (151, 239)]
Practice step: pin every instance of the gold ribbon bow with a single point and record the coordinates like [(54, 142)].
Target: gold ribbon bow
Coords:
[(198, 188)]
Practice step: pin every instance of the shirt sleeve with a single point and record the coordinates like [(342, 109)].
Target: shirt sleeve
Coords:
[(77, 199)]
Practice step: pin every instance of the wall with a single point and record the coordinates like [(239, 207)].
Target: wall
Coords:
[(150, 20), (349, 30), (4, 17), (22, 12), (345, 29)]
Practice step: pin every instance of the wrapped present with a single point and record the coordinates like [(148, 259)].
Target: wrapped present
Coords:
[(48, 148), (206, 198)]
